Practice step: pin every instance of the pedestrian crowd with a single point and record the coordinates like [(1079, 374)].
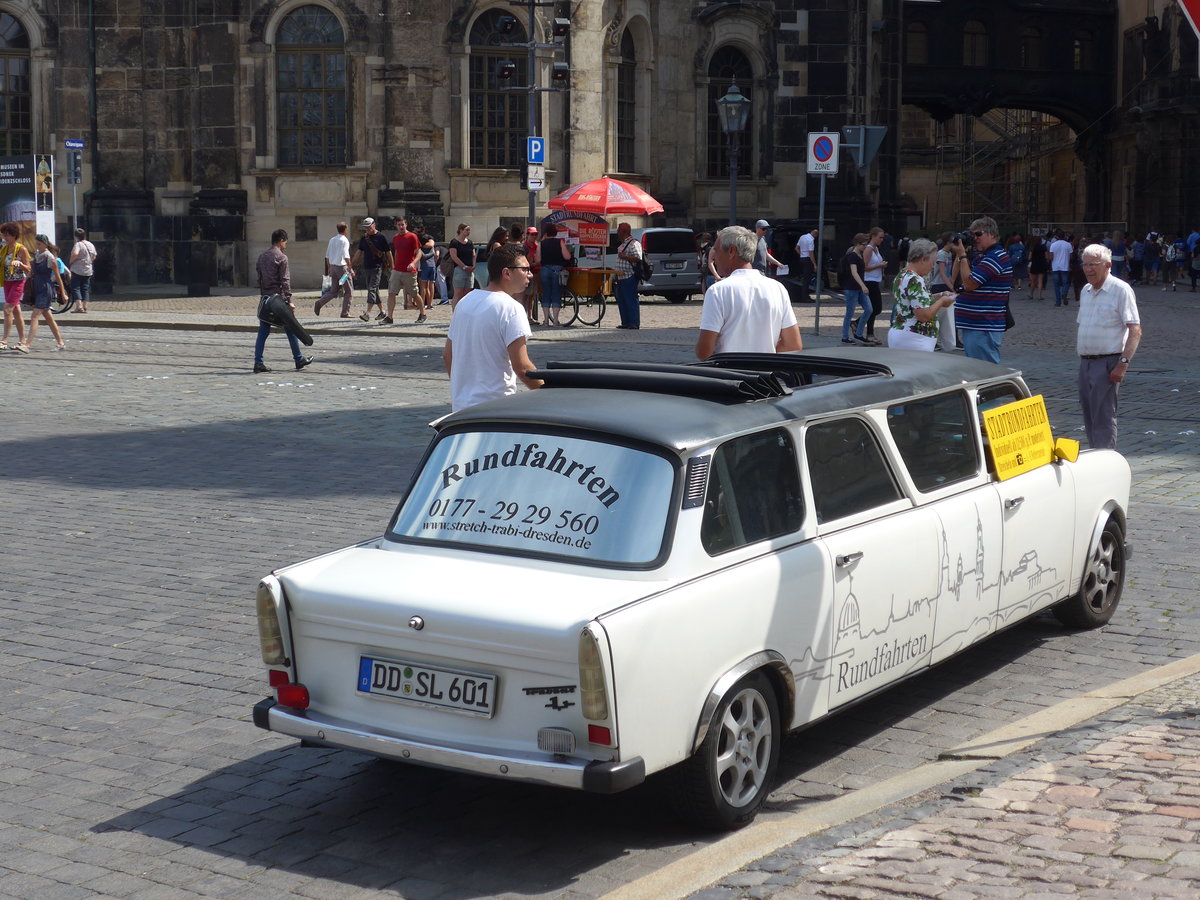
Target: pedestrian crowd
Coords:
[(952, 294), (39, 279)]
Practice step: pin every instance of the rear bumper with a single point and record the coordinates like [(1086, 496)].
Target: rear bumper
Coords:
[(595, 777)]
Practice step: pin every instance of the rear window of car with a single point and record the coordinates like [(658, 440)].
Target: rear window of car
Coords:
[(541, 494), (669, 242)]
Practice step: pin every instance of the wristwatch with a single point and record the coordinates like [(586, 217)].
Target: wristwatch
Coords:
[(1124, 359)]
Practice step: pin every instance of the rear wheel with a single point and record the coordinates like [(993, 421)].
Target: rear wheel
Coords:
[(1103, 580), (590, 310), (725, 783), (677, 296)]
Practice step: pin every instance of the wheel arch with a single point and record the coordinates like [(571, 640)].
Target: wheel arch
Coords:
[(778, 673), (1111, 510)]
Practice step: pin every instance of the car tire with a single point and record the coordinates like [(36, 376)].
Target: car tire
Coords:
[(1103, 580), (677, 297), (725, 783)]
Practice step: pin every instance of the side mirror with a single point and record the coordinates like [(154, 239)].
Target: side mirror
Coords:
[(1066, 449)]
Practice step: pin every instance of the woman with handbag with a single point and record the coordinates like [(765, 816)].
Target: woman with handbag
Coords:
[(554, 257), (15, 259), (47, 284)]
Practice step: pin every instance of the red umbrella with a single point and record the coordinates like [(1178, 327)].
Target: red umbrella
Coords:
[(606, 196)]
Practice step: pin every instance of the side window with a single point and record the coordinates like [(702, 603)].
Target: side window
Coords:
[(996, 395), (936, 439), (753, 492), (848, 469)]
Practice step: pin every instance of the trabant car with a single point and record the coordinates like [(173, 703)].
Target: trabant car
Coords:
[(657, 568)]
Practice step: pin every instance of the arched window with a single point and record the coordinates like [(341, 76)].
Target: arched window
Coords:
[(1031, 49), (310, 69), (1083, 50), (499, 117), (916, 44), (16, 126), (975, 44), (626, 105), (729, 65)]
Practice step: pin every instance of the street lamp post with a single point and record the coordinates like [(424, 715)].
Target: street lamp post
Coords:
[(733, 110)]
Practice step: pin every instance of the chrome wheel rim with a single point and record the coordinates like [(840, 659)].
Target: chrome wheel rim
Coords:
[(1102, 585), (744, 748)]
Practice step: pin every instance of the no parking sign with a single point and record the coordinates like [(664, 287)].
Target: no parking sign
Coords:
[(823, 152)]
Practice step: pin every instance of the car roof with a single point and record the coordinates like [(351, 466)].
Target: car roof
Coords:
[(682, 407)]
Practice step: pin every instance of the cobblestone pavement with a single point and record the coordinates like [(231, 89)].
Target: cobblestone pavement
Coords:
[(151, 480), (1109, 810)]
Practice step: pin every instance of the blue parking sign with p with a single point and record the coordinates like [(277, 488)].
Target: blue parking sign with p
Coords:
[(535, 150)]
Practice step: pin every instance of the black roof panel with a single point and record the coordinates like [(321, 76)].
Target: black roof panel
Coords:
[(641, 405)]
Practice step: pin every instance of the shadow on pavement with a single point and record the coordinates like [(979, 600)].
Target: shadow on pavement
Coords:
[(319, 813)]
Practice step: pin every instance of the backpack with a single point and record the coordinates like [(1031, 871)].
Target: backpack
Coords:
[(1017, 254), (641, 267)]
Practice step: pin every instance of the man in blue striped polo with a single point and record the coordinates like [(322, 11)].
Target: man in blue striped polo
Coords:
[(981, 309)]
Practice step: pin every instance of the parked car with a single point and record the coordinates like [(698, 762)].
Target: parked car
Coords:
[(674, 254), (652, 568)]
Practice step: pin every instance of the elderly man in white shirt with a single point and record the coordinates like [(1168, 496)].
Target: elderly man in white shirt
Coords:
[(745, 311), (1109, 333)]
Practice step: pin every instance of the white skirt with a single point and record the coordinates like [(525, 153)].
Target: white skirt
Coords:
[(903, 339)]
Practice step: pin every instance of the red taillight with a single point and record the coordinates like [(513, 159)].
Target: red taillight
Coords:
[(599, 734), (277, 678), (294, 696)]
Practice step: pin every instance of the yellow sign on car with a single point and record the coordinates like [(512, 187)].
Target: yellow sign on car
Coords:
[(1019, 435)]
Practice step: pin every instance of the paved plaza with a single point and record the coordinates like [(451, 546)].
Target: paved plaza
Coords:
[(150, 479)]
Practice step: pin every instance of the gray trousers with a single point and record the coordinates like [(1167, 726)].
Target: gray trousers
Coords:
[(346, 290), (1098, 400)]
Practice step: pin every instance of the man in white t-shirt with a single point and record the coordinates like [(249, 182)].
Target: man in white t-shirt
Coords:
[(486, 353), (806, 249), (744, 312), (337, 264), (1060, 266)]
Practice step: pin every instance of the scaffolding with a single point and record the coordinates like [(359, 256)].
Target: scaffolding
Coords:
[(992, 165)]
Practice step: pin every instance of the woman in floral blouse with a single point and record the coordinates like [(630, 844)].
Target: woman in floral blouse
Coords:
[(914, 313)]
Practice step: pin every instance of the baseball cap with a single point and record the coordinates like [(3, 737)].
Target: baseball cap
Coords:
[(762, 223), (531, 230), (367, 222)]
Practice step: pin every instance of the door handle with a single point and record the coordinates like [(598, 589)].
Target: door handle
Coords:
[(846, 559), (1013, 502)]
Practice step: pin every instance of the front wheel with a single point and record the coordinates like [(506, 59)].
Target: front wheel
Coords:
[(1103, 580), (569, 311), (590, 310), (725, 783)]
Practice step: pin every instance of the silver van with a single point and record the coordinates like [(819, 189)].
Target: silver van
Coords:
[(674, 254)]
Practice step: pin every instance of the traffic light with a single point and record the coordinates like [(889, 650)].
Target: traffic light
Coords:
[(76, 166), (506, 69)]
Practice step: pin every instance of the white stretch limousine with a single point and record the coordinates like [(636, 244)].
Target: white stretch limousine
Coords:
[(648, 567)]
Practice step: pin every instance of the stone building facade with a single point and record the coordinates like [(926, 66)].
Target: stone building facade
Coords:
[(211, 123)]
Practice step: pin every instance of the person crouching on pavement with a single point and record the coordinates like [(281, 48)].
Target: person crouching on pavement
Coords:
[(273, 278)]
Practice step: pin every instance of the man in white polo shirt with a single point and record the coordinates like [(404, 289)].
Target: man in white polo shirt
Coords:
[(745, 311), (1109, 333)]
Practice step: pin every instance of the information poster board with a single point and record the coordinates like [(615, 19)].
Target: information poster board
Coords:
[(1019, 436), (27, 195)]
